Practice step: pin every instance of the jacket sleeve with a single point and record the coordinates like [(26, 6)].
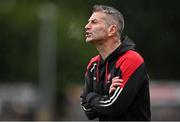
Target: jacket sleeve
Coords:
[(89, 111), (133, 75)]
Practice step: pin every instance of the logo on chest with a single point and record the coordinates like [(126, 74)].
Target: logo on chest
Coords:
[(93, 67), (108, 78)]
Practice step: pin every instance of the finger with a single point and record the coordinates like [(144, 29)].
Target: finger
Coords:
[(112, 90), (112, 87), (117, 77), (116, 84), (117, 80)]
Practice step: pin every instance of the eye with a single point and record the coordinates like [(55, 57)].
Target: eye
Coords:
[(94, 21)]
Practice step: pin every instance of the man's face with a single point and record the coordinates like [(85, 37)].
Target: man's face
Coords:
[(96, 28)]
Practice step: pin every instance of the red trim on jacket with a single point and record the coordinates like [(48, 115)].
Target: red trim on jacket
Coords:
[(94, 59), (128, 63)]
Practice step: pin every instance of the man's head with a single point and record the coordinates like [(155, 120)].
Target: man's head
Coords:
[(104, 23)]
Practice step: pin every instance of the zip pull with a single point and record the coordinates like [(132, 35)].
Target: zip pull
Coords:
[(97, 70), (106, 73)]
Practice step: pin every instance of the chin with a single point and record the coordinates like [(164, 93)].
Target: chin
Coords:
[(89, 40)]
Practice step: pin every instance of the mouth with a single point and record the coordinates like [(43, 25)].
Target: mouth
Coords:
[(88, 34)]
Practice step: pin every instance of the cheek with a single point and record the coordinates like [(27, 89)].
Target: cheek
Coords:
[(100, 31)]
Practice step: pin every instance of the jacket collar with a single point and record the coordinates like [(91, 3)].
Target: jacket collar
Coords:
[(126, 44)]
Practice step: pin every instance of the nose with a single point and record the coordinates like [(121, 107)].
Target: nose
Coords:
[(87, 26)]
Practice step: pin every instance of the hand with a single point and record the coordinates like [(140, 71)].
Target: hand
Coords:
[(116, 81)]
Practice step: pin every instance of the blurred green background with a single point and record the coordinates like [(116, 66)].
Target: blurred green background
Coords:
[(43, 54)]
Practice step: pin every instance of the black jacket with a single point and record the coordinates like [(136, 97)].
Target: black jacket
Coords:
[(131, 100)]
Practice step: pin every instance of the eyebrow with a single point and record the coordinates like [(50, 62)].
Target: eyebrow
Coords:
[(92, 20)]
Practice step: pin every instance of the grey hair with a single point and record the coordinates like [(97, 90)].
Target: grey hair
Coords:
[(116, 15)]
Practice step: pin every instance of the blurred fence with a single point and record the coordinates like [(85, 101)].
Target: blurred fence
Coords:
[(18, 101), (21, 102), (165, 100)]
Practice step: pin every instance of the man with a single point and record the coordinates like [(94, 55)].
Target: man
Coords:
[(116, 81)]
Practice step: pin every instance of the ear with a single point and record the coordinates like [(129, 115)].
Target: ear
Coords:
[(112, 30)]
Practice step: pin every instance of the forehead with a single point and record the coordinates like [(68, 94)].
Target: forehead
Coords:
[(97, 16)]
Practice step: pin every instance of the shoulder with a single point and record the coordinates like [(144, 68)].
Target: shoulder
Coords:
[(94, 59), (130, 57), (133, 55)]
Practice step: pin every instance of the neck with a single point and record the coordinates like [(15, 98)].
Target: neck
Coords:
[(107, 47)]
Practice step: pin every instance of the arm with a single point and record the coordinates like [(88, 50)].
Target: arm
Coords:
[(133, 75), (116, 81), (89, 111)]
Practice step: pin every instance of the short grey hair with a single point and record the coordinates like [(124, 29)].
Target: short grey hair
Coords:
[(116, 15)]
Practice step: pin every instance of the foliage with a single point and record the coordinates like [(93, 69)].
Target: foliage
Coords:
[(153, 25)]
